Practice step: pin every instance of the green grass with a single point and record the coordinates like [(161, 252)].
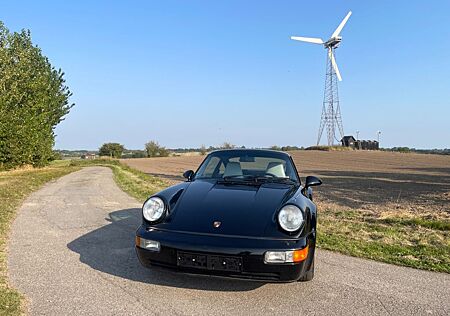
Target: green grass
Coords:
[(414, 242), (433, 224)]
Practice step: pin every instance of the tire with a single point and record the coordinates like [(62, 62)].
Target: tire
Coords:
[(309, 274)]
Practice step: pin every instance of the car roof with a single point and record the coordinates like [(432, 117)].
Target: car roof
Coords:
[(253, 151)]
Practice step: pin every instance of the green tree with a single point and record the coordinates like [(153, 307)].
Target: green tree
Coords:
[(227, 145), (33, 100), (113, 150), (155, 150)]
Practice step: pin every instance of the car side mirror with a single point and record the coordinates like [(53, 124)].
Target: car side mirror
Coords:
[(312, 181), (189, 174)]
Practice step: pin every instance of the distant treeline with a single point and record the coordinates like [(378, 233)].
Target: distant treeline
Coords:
[(162, 151), (74, 153), (445, 151), (127, 153), (211, 148), (153, 149)]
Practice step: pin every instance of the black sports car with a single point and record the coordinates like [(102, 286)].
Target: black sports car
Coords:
[(243, 214)]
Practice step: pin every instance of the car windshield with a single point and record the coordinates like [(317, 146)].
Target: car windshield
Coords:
[(251, 165)]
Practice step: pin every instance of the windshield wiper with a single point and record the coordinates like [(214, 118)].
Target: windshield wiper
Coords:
[(238, 179), (281, 180), (270, 179), (258, 180), (233, 177)]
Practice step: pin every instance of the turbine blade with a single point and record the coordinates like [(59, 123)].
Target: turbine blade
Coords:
[(334, 64), (307, 39), (341, 26)]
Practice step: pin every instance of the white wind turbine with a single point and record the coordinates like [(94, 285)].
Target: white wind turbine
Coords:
[(331, 113)]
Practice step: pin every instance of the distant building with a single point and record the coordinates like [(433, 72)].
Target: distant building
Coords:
[(376, 145), (89, 156), (348, 141)]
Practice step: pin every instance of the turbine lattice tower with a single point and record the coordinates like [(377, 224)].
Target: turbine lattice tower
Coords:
[(331, 117)]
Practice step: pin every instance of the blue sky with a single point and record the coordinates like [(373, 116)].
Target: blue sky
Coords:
[(187, 73)]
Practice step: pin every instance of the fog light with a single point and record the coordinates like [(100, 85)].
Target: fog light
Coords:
[(151, 245), (286, 256)]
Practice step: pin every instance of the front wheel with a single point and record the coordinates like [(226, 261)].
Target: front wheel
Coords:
[(309, 274)]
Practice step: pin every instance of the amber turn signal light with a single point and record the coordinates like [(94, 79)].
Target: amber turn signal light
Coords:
[(300, 255), (138, 241)]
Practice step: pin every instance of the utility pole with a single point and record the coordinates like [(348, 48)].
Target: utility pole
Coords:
[(357, 135)]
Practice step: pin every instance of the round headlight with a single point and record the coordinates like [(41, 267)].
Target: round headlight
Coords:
[(290, 218), (153, 209)]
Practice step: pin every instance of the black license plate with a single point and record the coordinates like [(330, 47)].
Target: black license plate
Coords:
[(209, 262)]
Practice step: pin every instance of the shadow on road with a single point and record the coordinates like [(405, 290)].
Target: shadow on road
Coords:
[(110, 249)]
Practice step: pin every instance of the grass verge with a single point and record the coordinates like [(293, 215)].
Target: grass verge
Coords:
[(412, 241)]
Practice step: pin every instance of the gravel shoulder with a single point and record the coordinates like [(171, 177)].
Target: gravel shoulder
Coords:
[(71, 251)]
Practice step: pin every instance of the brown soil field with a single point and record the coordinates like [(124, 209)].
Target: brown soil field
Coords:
[(375, 181)]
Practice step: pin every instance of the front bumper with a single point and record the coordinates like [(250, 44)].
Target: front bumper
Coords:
[(251, 250)]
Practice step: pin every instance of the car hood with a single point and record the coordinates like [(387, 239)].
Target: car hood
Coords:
[(241, 209)]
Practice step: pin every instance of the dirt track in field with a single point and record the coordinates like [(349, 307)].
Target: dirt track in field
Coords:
[(376, 181)]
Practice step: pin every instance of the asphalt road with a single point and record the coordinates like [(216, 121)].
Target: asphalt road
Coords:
[(71, 251)]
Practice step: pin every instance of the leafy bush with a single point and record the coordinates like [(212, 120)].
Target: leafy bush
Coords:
[(134, 154), (155, 150), (291, 148), (139, 154), (113, 150), (34, 99), (56, 155), (401, 149)]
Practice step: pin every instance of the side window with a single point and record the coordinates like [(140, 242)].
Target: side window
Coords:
[(221, 169), (211, 167)]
